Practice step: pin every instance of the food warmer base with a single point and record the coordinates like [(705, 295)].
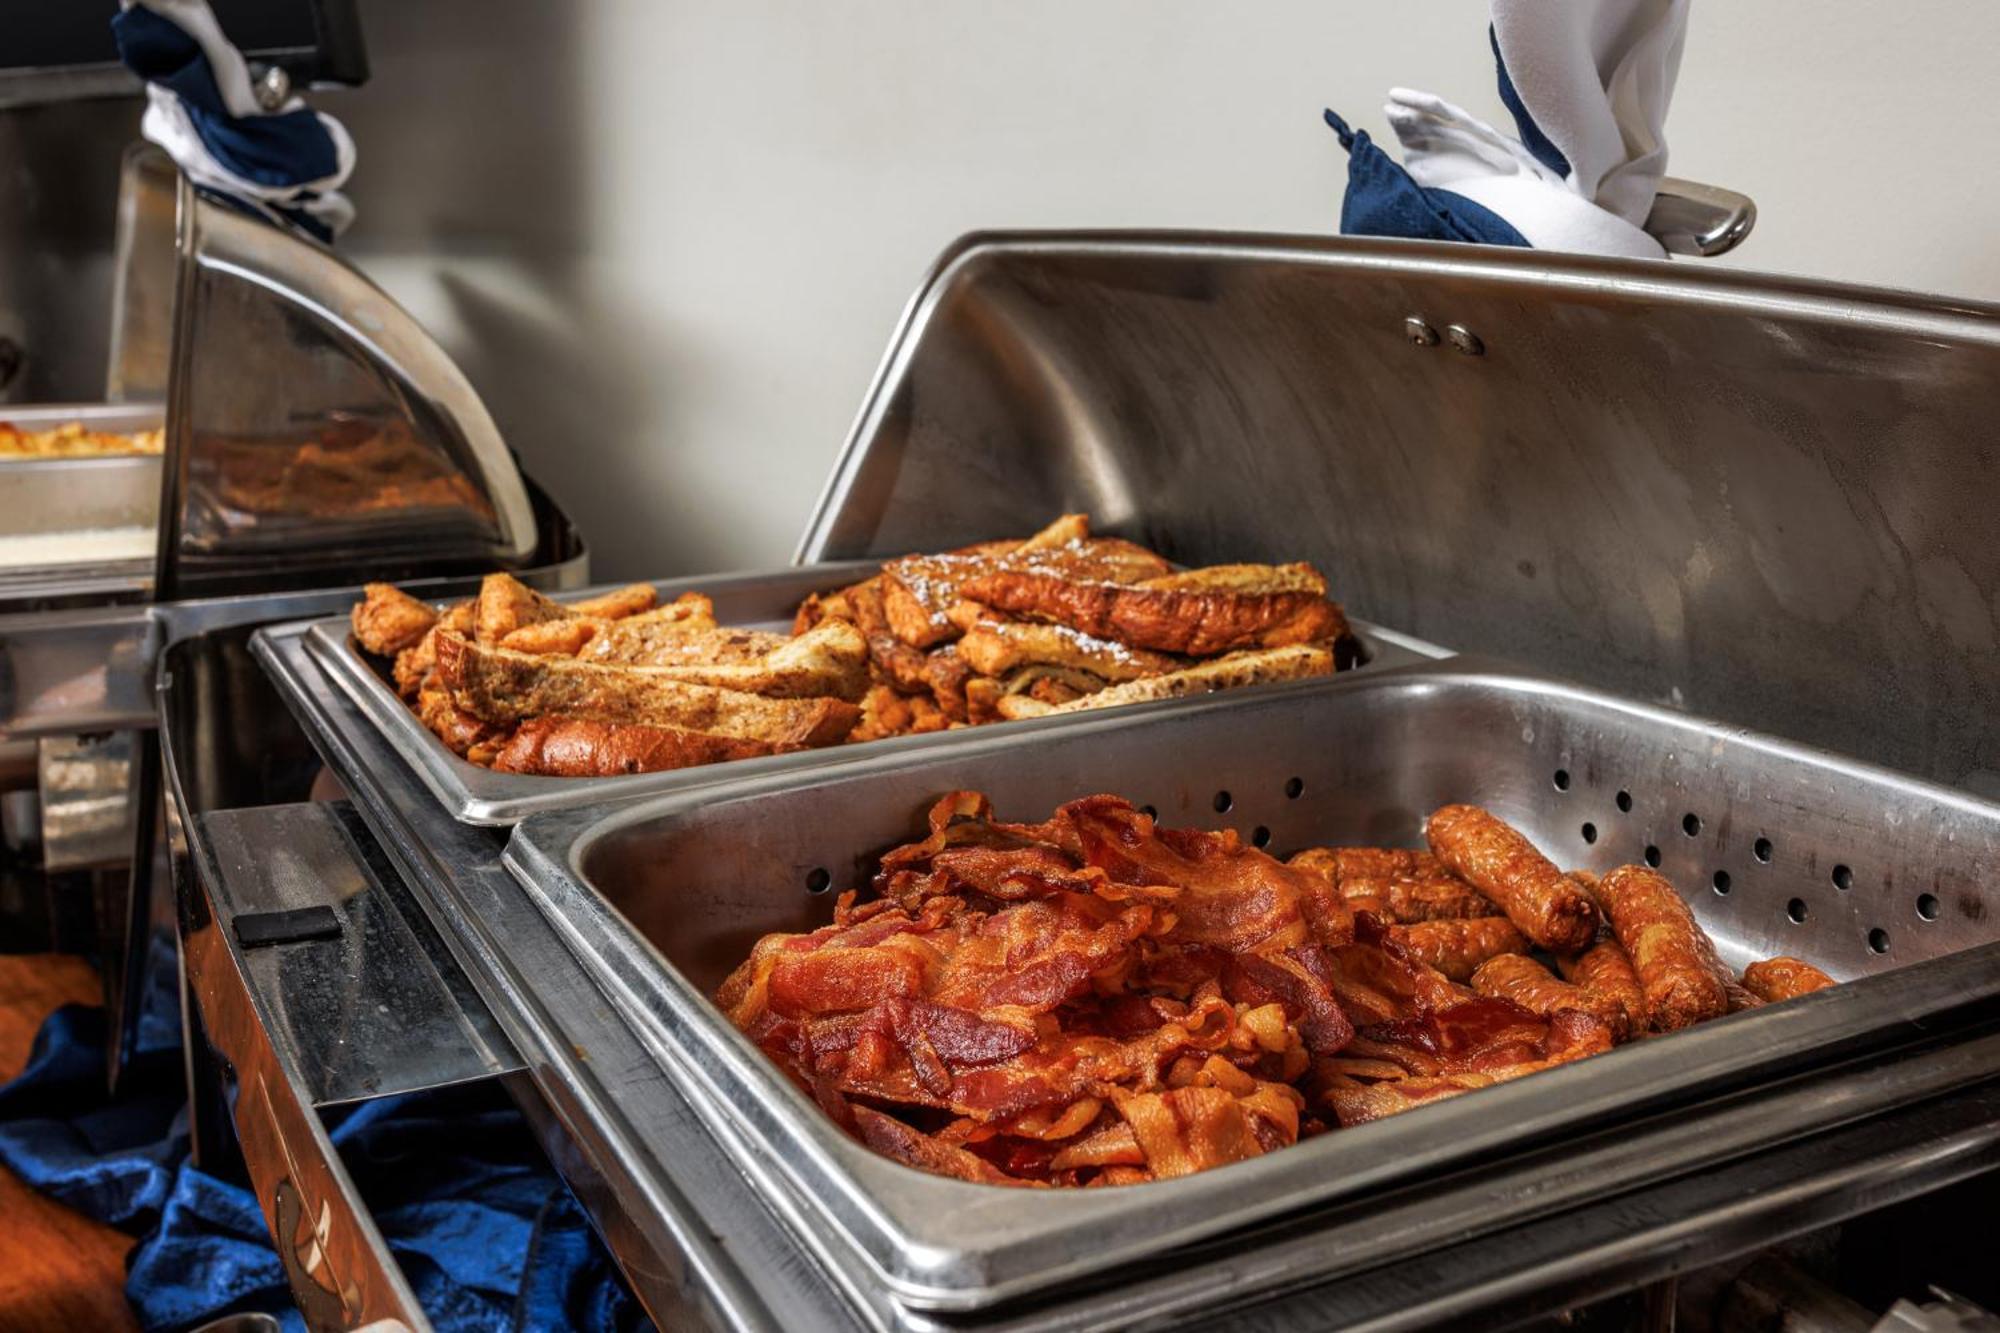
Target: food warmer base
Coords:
[(712, 1236)]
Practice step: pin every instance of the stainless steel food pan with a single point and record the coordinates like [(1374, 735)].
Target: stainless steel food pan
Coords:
[(758, 600), (85, 523), (1888, 883)]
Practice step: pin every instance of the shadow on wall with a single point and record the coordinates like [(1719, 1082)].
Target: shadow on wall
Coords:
[(475, 209)]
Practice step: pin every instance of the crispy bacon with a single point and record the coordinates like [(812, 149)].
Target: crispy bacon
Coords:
[(1095, 1000)]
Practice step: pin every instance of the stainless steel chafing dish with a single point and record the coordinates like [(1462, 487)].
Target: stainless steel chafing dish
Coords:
[(315, 437), (1658, 496)]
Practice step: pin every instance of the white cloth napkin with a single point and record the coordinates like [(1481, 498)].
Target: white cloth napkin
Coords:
[(1595, 78)]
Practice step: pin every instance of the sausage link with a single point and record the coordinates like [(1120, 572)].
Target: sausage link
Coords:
[(1604, 973), (1517, 977), (1782, 978), (1682, 979), (1440, 897), (1550, 909), (1741, 997), (1457, 948)]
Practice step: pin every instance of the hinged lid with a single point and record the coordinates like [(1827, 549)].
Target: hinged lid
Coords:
[(312, 424), (1767, 500)]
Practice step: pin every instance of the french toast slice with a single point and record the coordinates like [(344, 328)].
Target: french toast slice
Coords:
[(569, 747), (644, 641), (388, 621), (1189, 616), (1257, 666), (499, 686), (919, 591), (997, 647)]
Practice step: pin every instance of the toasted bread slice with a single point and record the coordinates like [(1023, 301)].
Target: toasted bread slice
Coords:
[(565, 638), (830, 659), (388, 620), (1299, 577), (566, 747), (997, 647), (1069, 528), (1258, 666), (919, 591), (498, 686), (644, 641), (506, 604), (1188, 619), (617, 604)]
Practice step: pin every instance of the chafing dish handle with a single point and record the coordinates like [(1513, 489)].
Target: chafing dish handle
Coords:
[(1690, 218)]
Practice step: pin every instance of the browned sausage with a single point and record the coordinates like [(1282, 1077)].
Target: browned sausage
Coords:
[(1682, 979), (1457, 948), (1441, 897), (1781, 978), (1741, 997), (1604, 973), (1517, 977), (1395, 883), (1549, 907)]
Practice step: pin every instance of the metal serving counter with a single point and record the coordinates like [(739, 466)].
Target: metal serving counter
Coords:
[(705, 1245), (1665, 483)]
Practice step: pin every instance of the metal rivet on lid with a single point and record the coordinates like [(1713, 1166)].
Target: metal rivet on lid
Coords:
[(1419, 332), (1465, 340)]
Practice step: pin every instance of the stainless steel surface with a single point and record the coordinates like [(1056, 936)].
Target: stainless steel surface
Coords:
[(91, 668), (311, 423), (1945, 1313), (88, 669), (661, 898), (761, 600), (1766, 500), (85, 784), (697, 1244), (65, 83), (1690, 218), (665, 1195), (379, 1009), (338, 1265), (43, 497), (1773, 1295), (143, 282), (272, 85)]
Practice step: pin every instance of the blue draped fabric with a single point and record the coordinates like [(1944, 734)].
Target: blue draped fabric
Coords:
[(488, 1237), (1383, 199)]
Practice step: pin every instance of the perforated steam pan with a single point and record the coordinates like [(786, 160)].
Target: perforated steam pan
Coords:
[(1887, 883)]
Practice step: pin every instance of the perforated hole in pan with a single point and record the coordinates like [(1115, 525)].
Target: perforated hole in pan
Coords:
[(1792, 884), (1734, 877)]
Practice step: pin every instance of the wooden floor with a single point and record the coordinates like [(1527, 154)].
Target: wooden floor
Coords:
[(63, 1273)]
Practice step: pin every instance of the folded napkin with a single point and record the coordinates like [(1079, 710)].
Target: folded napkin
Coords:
[(1588, 83), (488, 1236), (287, 162)]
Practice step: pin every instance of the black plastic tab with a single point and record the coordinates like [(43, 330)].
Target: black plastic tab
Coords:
[(288, 927)]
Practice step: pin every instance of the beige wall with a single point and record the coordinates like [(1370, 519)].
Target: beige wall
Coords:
[(669, 238)]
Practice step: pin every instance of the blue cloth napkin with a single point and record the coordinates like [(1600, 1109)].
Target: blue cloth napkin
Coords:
[(1587, 83), (287, 161), (488, 1236)]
